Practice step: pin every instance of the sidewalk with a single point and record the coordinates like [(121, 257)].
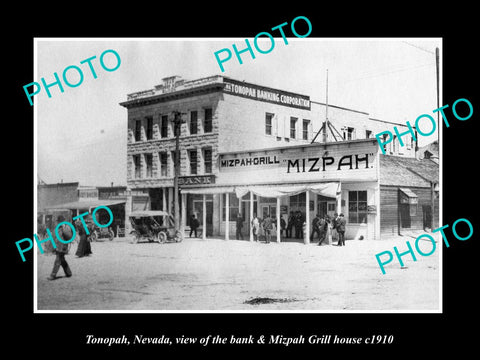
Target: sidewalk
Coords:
[(216, 274)]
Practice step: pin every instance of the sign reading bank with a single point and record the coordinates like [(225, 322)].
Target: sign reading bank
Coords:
[(262, 93), (353, 161)]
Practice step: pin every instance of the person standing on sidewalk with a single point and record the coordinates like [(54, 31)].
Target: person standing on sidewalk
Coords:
[(66, 234), (255, 227), (239, 235), (341, 230)]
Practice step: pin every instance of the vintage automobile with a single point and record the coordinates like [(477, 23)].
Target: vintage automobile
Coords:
[(154, 225), (99, 233)]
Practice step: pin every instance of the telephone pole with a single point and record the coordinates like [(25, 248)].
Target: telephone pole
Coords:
[(177, 124)]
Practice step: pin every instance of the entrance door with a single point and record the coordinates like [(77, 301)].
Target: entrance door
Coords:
[(270, 210), (331, 206), (405, 221), (198, 212)]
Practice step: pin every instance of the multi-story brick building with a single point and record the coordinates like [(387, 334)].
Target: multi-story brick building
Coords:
[(225, 118)]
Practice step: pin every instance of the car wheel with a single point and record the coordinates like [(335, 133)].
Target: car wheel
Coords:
[(178, 236)]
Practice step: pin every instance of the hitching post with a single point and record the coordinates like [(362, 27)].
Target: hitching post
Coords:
[(177, 123)]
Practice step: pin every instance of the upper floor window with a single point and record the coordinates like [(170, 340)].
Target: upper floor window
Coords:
[(193, 162), (163, 164), (268, 123), (193, 122), (149, 163), (138, 130), (149, 128), (207, 121), (136, 163), (207, 159), (164, 126)]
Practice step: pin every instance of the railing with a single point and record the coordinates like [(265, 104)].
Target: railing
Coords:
[(186, 85)]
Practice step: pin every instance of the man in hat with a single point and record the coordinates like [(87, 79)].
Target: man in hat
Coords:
[(239, 235), (66, 234), (341, 230)]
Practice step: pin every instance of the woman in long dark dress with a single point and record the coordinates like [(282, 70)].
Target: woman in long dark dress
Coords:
[(84, 248)]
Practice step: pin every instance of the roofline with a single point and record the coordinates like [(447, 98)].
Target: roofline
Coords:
[(389, 122), (298, 146), (339, 107)]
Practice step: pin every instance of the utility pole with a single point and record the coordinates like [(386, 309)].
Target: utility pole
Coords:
[(177, 124), (437, 65)]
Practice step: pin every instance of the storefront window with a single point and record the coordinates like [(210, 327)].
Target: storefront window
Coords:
[(357, 207), (232, 206), (298, 202), (193, 162), (268, 123), (149, 162)]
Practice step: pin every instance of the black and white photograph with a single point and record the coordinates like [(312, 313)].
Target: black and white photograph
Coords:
[(240, 190), (238, 181)]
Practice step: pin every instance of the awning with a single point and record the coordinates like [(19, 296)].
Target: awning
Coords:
[(328, 189), (409, 193), (407, 196), (86, 204), (209, 190)]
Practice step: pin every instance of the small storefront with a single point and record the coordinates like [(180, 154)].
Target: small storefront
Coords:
[(339, 177)]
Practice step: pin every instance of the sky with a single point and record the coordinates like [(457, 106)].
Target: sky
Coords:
[(82, 132)]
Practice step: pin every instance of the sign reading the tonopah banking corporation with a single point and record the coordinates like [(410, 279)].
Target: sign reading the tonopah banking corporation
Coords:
[(256, 92)]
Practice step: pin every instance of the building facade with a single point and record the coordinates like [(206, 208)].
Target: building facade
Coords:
[(227, 121)]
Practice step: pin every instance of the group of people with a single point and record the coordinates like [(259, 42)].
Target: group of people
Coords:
[(323, 225), (295, 222), (265, 227)]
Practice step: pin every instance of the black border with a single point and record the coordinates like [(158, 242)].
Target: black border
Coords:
[(415, 334)]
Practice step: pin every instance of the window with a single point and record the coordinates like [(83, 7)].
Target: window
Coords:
[(163, 164), (136, 162), (268, 123), (149, 162), (207, 121), (368, 134), (172, 156), (384, 141), (193, 162), (138, 130), (393, 143), (298, 202), (149, 128), (232, 207), (207, 159), (293, 126), (357, 207), (164, 126), (306, 125), (193, 122)]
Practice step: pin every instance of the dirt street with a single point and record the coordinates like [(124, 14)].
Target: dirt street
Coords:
[(238, 275)]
